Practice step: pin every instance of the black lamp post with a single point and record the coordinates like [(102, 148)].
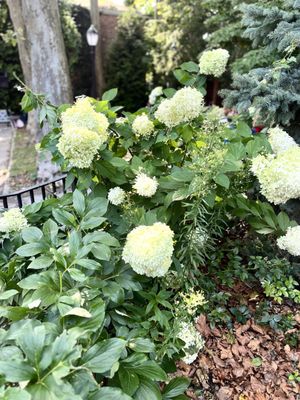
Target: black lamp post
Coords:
[(92, 37)]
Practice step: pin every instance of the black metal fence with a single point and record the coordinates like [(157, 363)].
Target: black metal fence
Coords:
[(53, 188)]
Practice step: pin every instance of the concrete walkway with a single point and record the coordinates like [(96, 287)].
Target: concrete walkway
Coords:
[(6, 136)]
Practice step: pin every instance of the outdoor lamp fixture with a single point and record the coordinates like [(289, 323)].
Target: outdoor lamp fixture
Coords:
[(92, 37)]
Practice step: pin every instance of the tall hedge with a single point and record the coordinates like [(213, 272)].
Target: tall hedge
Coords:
[(128, 61)]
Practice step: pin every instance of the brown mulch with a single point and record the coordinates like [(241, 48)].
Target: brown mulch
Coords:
[(250, 362)]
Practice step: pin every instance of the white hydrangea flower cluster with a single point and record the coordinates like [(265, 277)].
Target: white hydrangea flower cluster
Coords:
[(116, 196), (290, 241), (144, 185), (83, 115), (280, 140), (79, 146), (193, 300), (149, 249), (12, 221), (155, 93), (84, 131), (193, 341), (213, 62), (143, 126), (186, 105), (279, 176)]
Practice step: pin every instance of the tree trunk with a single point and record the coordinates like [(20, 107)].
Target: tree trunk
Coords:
[(95, 19), (41, 47), (50, 71), (41, 50), (16, 15)]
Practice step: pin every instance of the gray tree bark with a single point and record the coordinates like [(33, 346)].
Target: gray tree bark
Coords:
[(41, 47), (16, 15), (43, 59), (95, 19)]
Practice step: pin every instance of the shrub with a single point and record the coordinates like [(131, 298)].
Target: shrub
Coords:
[(127, 62), (101, 287), (270, 91)]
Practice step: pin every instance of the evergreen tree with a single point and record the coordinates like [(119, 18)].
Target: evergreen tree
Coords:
[(272, 93), (128, 61)]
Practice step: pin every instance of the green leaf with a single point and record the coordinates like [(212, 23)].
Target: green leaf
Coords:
[(32, 234), (14, 313), (187, 133), (27, 102), (283, 221), (32, 342), (96, 321), (119, 162), (190, 66), (175, 387), (97, 207), (243, 129), (256, 362), (114, 292), (151, 370), (169, 92), (79, 202), (91, 223), (87, 263), (237, 150), (147, 390), (222, 180), (63, 217), (11, 353), (102, 237), (15, 394), (109, 95), (79, 312), (77, 275), (74, 243), (101, 252), (110, 393), (129, 381), (184, 77), (16, 371), (102, 356), (31, 209), (7, 294), (50, 229), (140, 345), (41, 262), (182, 174), (31, 249)]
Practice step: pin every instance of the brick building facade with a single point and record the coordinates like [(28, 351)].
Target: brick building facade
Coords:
[(109, 28)]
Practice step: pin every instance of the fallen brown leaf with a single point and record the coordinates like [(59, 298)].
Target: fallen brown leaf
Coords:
[(225, 393)]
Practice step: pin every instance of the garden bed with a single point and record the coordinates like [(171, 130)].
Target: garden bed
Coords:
[(250, 362)]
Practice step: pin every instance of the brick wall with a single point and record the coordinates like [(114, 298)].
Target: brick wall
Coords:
[(108, 23)]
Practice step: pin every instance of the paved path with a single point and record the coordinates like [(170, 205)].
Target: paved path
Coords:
[(6, 136)]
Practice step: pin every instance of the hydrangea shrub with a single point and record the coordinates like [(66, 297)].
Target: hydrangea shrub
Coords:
[(101, 287)]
